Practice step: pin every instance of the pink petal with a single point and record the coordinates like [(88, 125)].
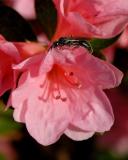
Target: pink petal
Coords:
[(9, 55), (28, 49), (29, 62), (99, 72), (10, 50), (45, 120), (91, 110), (6, 82), (102, 19), (77, 134), (19, 113), (21, 6)]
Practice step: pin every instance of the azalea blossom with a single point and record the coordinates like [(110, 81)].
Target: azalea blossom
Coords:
[(12, 53), (8, 55), (62, 92), (91, 18)]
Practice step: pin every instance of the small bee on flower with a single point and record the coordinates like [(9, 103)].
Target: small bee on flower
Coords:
[(72, 42)]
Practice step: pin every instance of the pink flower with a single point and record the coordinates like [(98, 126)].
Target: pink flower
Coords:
[(8, 56), (91, 18), (24, 7), (28, 49), (117, 138), (62, 92), (13, 53)]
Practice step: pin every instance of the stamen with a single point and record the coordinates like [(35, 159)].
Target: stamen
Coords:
[(42, 85), (71, 73), (57, 92), (72, 79), (58, 97), (51, 86), (46, 88), (63, 95), (64, 99)]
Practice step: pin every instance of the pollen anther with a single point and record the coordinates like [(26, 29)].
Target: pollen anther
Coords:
[(72, 79)]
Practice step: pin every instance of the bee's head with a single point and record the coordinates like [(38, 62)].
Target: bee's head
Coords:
[(62, 40)]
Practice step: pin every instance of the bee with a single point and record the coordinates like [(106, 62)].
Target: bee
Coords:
[(72, 42)]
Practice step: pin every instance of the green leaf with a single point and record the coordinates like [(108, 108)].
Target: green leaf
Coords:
[(2, 156), (99, 44), (107, 155), (47, 16), (13, 26), (7, 124), (99, 55)]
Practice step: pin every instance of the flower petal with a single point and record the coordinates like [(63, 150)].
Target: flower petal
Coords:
[(45, 120), (21, 6), (77, 134), (91, 110), (101, 19), (100, 73)]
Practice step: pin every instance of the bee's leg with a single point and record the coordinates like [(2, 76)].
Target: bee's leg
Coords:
[(87, 45)]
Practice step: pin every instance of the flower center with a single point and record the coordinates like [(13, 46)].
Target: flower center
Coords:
[(55, 85), (72, 79)]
